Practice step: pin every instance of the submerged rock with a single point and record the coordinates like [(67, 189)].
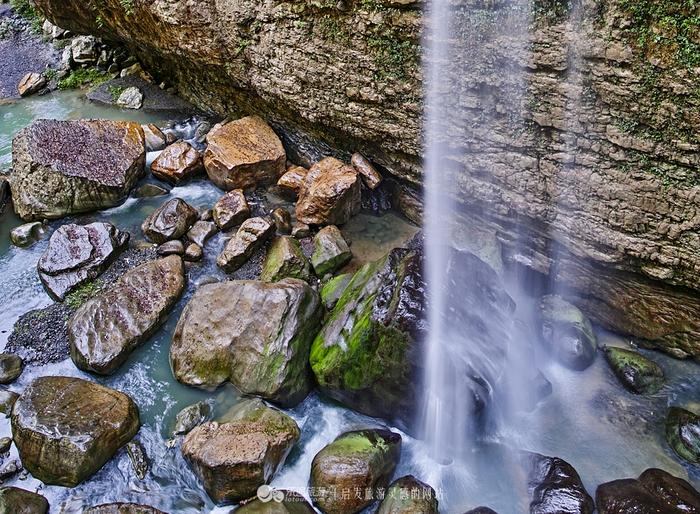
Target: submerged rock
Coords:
[(231, 210), (107, 328), (637, 373), (5, 195), (77, 254), (27, 234), (331, 252), (14, 500), (68, 167), (408, 495), (7, 401), (150, 191), (251, 235), (31, 83), (10, 367), (67, 428), (122, 508), (282, 220), (284, 502), (285, 259), (244, 154), (190, 417), (568, 333), (170, 221), (683, 433), (364, 460), (331, 194), (234, 458), (177, 163), (555, 487), (655, 492), (258, 337)]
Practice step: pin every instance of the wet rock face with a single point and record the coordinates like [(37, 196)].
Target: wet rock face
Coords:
[(66, 428), (170, 221), (683, 433), (331, 252), (77, 254), (637, 373), (177, 163), (408, 495), (568, 332), (107, 328), (122, 508), (656, 491), (68, 167), (244, 154), (331, 194), (231, 210), (285, 259), (364, 459), (251, 235), (292, 503), (555, 486), (14, 500), (258, 338), (5, 195), (234, 458)]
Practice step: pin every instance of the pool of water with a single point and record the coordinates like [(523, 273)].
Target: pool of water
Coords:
[(589, 420)]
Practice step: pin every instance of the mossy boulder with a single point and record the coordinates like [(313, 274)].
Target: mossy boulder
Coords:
[(285, 259), (257, 335), (637, 373), (235, 457), (568, 333), (683, 433), (408, 495), (331, 251), (14, 500), (334, 289), (364, 460)]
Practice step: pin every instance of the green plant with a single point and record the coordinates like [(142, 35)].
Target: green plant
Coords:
[(83, 77), (26, 10), (128, 6), (115, 92), (86, 291), (49, 74)]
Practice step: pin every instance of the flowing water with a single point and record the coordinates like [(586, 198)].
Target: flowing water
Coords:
[(588, 420)]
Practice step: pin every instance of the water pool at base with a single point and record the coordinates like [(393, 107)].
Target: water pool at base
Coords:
[(605, 432)]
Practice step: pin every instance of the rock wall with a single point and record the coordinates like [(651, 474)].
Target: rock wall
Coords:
[(588, 172)]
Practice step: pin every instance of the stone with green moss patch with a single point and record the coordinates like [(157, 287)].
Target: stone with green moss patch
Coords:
[(285, 260), (408, 495), (331, 251), (683, 433), (334, 288), (637, 373)]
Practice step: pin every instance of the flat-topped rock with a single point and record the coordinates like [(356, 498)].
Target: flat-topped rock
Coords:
[(107, 328), (331, 194), (244, 154), (177, 163), (67, 428), (77, 254), (231, 209), (68, 167)]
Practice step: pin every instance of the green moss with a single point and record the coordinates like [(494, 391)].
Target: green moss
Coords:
[(395, 53), (115, 92), (334, 288), (82, 294), (83, 77), (635, 371)]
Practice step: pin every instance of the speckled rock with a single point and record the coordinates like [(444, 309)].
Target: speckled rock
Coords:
[(285, 259), (331, 194), (14, 500), (175, 247), (231, 210), (408, 495), (66, 428), (31, 83), (170, 221), (244, 154), (331, 252), (177, 163), (68, 167), (251, 235), (291, 183), (107, 328)]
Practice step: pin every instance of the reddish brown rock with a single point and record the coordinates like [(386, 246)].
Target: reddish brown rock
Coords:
[(231, 210), (331, 194), (291, 183), (30, 84), (370, 176), (178, 162)]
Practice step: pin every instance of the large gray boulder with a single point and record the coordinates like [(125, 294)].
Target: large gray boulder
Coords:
[(68, 167), (77, 254), (107, 328), (257, 336), (67, 428)]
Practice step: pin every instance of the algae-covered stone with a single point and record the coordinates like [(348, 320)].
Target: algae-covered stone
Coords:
[(14, 500), (285, 259), (683, 433), (637, 373), (364, 460), (234, 458), (283, 502), (568, 333), (334, 289), (331, 252), (67, 428), (257, 336), (408, 495)]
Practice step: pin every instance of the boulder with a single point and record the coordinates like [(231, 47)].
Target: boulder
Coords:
[(5, 445), (656, 491), (122, 508), (27, 234), (408, 495), (231, 210), (170, 221), (154, 138), (10, 367), (251, 235), (285, 259), (138, 458), (258, 337), (370, 176), (7, 401), (637, 373), (331, 194), (14, 500), (481, 510), (107, 328), (31, 83), (201, 231), (77, 254), (282, 220), (191, 416), (300, 230), (331, 252), (177, 163), (130, 98), (52, 31), (291, 183), (568, 333), (244, 154), (68, 167), (84, 50), (66, 428), (234, 458), (364, 460), (334, 289), (175, 247), (285, 502), (193, 253), (554, 486), (683, 433)]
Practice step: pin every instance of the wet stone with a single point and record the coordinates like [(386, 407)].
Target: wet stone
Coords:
[(27, 234), (637, 373), (122, 508), (171, 248), (5, 444), (201, 232), (138, 458), (191, 416), (251, 235), (10, 367), (408, 495), (193, 253), (568, 333), (282, 220), (177, 163), (683, 433), (231, 210), (331, 252), (555, 486), (170, 221), (370, 176), (7, 401), (150, 191), (14, 500)]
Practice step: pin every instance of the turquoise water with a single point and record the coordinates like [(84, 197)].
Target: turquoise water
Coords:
[(605, 432)]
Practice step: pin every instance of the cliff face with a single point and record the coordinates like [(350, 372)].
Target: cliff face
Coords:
[(587, 173)]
